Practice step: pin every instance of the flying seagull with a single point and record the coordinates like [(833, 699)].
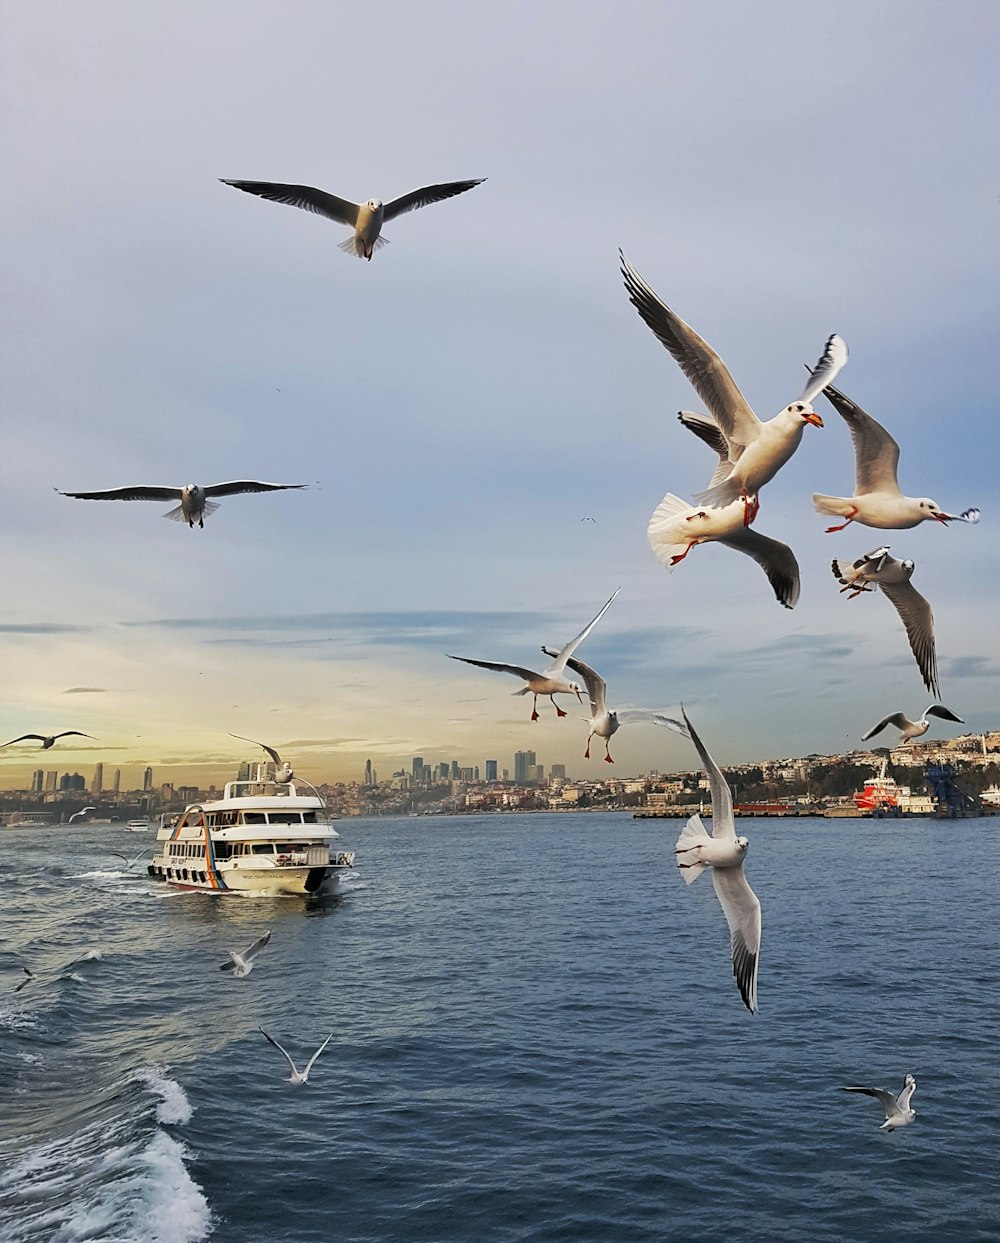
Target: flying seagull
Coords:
[(285, 772), (242, 964), (194, 499), (756, 451), (29, 977), (82, 812), (908, 730), (365, 219), (129, 864), (296, 1076), (49, 740), (878, 569), (552, 681), (724, 853), (877, 500), (897, 1108), (602, 722)]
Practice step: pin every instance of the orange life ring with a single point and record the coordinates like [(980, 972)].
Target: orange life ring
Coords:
[(284, 858)]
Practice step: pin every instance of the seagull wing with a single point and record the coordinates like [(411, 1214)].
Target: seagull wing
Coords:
[(306, 197), (706, 371), (919, 622), (723, 824), (281, 1050), (248, 485), (597, 688), (876, 454), (897, 718), (776, 560), (517, 670), (234, 961), (944, 713), (741, 908), (136, 492), (270, 750), (252, 951), (635, 715), (25, 738), (903, 1099), (887, 1100), (573, 644), (706, 429), (76, 733), (425, 195), (309, 1064), (833, 358)]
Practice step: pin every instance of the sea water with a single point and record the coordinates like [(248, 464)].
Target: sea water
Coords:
[(536, 1036)]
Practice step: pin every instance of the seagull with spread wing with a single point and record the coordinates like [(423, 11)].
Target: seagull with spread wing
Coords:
[(284, 773), (878, 569), (724, 853), (756, 451), (366, 219), (908, 730), (897, 1108), (877, 500), (551, 681), (242, 964), (297, 1076), (603, 723), (194, 499), (49, 740)]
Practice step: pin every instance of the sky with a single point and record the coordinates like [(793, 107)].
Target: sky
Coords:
[(776, 172)]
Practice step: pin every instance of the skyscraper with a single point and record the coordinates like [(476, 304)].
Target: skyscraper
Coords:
[(97, 785), (418, 768), (147, 779), (116, 784), (37, 781), (369, 774), (491, 770), (524, 761), (50, 780)]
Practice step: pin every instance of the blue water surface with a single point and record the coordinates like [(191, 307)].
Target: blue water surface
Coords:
[(536, 1036)]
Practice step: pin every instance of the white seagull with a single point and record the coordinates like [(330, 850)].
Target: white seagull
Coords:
[(756, 450), (878, 569), (908, 730), (877, 500), (676, 527), (129, 863), (194, 500), (604, 723), (285, 772), (49, 740), (296, 1076), (365, 219), (897, 1108), (242, 964), (82, 812), (552, 681), (724, 853)]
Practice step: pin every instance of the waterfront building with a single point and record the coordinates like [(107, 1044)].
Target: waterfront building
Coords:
[(50, 781), (116, 783), (37, 781), (369, 773), (523, 761), (97, 785), (491, 770), (557, 772), (417, 768), (72, 781), (147, 779)]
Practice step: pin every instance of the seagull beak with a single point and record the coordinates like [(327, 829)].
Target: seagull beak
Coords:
[(579, 696), (814, 419), (945, 518)]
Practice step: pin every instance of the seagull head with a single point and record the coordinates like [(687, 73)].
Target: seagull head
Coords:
[(742, 843), (806, 413), (375, 204), (931, 509)]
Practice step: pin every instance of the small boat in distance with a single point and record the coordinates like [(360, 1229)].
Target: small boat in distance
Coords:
[(141, 825), (881, 796), (262, 836)]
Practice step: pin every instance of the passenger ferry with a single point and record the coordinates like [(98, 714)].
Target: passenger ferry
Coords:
[(262, 836)]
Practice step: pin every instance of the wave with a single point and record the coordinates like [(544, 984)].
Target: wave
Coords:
[(174, 1107)]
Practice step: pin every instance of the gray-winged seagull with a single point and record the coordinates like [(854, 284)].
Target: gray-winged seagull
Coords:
[(908, 730), (242, 964), (897, 1108), (296, 1076), (49, 739), (194, 500)]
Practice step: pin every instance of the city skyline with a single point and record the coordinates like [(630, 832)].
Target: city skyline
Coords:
[(461, 406)]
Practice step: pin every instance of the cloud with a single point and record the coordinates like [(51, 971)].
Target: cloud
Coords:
[(970, 667), (43, 628), (85, 690)]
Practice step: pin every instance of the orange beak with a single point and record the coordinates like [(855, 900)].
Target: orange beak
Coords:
[(814, 419)]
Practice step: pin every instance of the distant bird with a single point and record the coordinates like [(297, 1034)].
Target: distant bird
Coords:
[(296, 1076), (756, 450), (285, 772), (129, 863), (82, 812), (878, 569), (877, 500), (49, 740), (724, 853), (912, 729), (897, 1108), (602, 722), (553, 680), (242, 964), (194, 502), (587, 518), (365, 219), (24, 983)]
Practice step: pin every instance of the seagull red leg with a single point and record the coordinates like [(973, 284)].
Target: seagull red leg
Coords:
[(850, 518)]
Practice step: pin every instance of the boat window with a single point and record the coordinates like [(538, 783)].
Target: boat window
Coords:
[(263, 848), (254, 817), (285, 817), (309, 817), (227, 817)]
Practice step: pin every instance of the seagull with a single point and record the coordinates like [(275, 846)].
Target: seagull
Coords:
[(194, 502), (878, 501), (296, 1076), (82, 812), (48, 741), (365, 219), (130, 862), (756, 451), (242, 964), (602, 722), (25, 982), (912, 729), (724, 853), (878, 569), (897, 1108), (285, 774), (553, 680)]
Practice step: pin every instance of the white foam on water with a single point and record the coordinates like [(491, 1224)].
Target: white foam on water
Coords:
[(174, 1108), (90, 956)]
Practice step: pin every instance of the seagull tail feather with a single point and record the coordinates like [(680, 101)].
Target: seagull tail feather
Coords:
[(693, 835), (831, 506)]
